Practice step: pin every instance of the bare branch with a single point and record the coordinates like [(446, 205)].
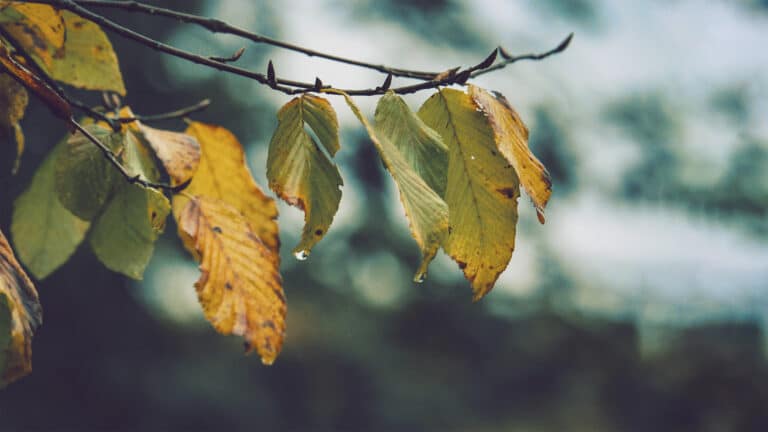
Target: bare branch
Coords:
[(233, 58), (218, 26), (509, 59), (179, 113), (290, 87)]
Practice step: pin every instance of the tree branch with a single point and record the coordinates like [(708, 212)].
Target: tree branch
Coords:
[(509, 59), (179, 113), (218, 26), (290, 87)]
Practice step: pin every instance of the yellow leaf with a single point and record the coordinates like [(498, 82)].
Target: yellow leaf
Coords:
[(299, 172), (223, 174), (19, 302), (426, 211), (512, 141), (87, 59), (40, 31), (178, 152), (240, 288), (481, 192)]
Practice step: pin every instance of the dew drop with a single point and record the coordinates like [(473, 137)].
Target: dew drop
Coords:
[(301, 255)]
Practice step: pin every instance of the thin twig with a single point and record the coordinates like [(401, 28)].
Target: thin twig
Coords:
[(179, 113), (218, 26), (509, 59), (288, 86), (233, 58), (159, 46)]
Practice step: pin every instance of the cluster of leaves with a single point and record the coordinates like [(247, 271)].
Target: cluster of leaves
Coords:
[(458, 163)]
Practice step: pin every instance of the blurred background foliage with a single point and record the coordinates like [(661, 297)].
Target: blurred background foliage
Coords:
[(640, 305)]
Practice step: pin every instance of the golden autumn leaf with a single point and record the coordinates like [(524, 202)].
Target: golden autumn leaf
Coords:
[(240, 288), (20, 315), (512, 141), (482, 189), (224, 174)]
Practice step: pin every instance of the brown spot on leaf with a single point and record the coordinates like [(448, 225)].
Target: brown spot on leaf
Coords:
[(507, 192), (217, 230), (318, 232)]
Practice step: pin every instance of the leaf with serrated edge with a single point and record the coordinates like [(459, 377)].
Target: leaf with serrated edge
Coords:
[(299, 172), (421, 146), (223, 174), (426, 211), (178, 152), (85, 179), (20, 303), (87, 60), (482, 189), (124, 235), (512, 141), (45, 233), (239, 288)]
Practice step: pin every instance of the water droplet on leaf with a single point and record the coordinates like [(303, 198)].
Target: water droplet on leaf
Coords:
[(420, 277)]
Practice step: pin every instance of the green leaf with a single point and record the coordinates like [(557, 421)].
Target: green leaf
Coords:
[(84, 177), (138, 159), (427, 212), (421, 146), (481, 192), (87, 60), (45, 234), (124, 236), (299, 172)]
